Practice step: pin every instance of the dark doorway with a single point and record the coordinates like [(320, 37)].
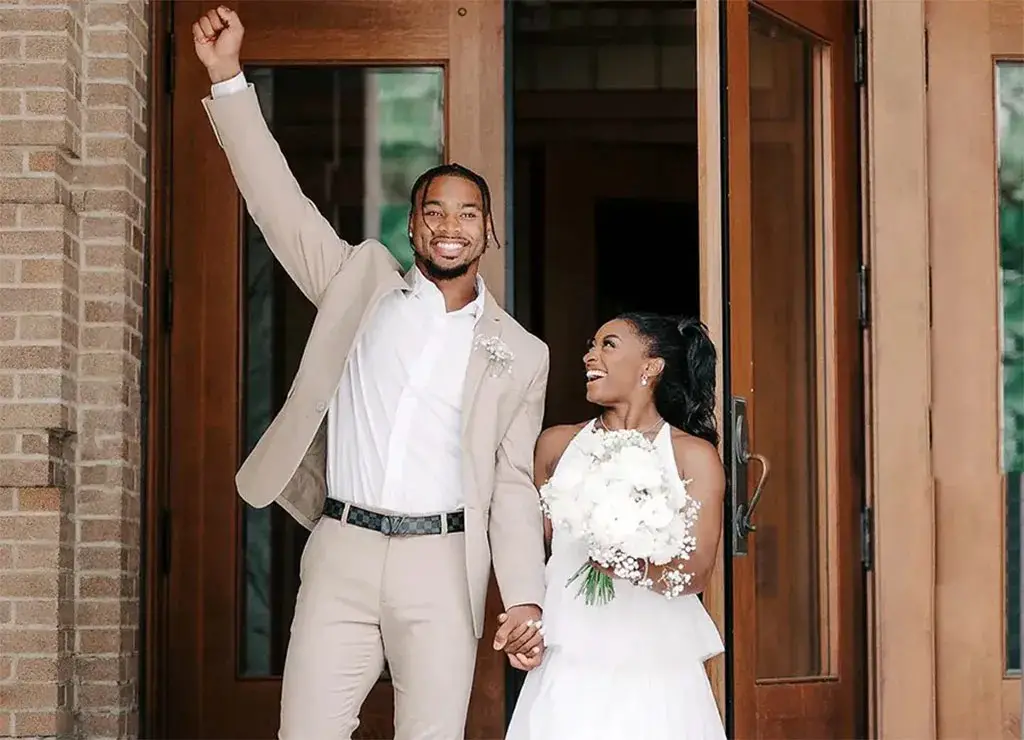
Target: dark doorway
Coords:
[(604, 181), (647, 257)]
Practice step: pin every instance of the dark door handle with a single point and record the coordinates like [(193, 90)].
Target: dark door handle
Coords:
[(740, 458)]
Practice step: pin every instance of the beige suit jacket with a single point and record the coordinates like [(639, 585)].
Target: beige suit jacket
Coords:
[(502, 411)]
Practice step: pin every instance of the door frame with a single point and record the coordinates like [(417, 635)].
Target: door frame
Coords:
[(155, 372), (711, 160)]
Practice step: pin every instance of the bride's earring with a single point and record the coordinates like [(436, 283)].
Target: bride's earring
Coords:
[(643, 379)]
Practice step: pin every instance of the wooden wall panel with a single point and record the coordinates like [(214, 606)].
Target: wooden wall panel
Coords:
[(900, 372), (964, 39), (476, 112)]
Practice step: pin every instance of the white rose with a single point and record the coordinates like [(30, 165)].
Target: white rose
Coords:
[(661, 554), (655, 513), (615, 520), (574, 520), (615, 470), (593, 488), (640, 467), (639, 544)]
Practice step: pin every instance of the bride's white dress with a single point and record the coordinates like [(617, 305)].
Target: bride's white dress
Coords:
[(632, 668)]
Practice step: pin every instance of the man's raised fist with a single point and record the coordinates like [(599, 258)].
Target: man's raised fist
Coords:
[(218, 39)]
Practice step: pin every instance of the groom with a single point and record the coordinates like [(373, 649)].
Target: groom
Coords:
[(405, 444)]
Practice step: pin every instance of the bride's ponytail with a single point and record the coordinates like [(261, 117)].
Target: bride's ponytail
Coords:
[(700, 361)]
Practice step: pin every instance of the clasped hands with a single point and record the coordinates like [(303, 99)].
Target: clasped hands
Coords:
[(521, 635)]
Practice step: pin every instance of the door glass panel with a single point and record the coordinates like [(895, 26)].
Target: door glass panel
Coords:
[(1010, 164), (356, 138), (791, 589)]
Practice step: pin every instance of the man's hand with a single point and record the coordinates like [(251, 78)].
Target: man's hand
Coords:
[(218, 40), (520, 633)]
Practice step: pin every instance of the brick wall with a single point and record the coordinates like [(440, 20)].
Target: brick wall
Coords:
[(72, 208)]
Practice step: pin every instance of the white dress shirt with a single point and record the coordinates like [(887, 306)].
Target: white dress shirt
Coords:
[(394, 424), (394, 428)]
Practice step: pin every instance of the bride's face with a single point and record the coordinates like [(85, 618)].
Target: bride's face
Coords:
[(615, 363)]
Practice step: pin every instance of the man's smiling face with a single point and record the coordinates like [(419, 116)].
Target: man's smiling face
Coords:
[(449, 227)]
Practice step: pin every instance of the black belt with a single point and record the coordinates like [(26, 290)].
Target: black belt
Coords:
[(395, 524)]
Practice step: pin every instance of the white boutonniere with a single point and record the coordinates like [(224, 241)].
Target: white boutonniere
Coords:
[(498, 354)]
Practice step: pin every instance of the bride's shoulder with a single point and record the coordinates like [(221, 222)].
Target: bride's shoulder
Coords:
[(558, 437), (691, 443)]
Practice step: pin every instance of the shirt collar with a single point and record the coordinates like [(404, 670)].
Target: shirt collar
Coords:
[(419, 285)]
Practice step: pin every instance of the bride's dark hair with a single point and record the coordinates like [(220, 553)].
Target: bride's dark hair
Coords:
[(684, 394)]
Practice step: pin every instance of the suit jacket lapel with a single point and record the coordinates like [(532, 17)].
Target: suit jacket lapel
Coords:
[(344, 343), (489, 325), (391, 281)]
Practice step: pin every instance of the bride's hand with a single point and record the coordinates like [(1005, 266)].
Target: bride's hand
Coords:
[(526, 662)]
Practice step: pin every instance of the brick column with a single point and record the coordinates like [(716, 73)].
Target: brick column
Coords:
[(112, 178), (40, 92), (72, 197)]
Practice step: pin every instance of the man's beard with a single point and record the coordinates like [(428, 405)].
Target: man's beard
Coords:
[(437, 272)]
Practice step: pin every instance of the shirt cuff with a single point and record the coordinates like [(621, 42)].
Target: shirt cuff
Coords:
[(525, 603), (229, 87)]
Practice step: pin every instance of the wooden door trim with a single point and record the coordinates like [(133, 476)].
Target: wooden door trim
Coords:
[(899, 397), (815, 18), (737, 242), (966, 42), (153, 580), (352, 31), (476, 31), (828, 187), (710, 158), (347, 45)]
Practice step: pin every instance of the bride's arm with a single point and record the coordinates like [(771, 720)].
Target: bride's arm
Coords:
[(698, 462), (551, 445)]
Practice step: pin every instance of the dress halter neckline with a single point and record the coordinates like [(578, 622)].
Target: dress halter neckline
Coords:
[(656, 427)]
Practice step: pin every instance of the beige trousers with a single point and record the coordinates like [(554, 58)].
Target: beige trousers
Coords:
[(364, 595)]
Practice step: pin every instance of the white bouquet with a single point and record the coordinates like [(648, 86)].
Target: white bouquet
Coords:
[(617, 498)]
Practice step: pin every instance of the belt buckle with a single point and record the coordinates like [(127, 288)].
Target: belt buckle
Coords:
[(390, 525)]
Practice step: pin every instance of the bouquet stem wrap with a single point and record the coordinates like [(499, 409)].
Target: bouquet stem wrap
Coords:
[(597, 587)]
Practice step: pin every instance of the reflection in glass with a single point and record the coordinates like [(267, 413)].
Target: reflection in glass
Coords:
[(790, 561), (356, 138), (1010, 107)]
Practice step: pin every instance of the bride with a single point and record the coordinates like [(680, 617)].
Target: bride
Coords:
[(633, 667)]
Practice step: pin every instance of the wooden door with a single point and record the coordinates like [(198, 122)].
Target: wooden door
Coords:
[(362, 95), (793, 371)]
